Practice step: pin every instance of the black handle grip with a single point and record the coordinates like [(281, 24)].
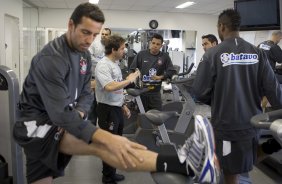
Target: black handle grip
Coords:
[(188, 71), (264, 120), (181, 81), (2, 159), (3, 169)]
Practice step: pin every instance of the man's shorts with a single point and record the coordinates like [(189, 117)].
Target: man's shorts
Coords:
[(152, 101), (237, 157), (43, 158)]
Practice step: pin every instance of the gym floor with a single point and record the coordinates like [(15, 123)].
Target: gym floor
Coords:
[(87, 170)]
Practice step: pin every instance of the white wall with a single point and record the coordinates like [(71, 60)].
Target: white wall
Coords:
[(30, 17), (203, 24), (30, 37), (15, 9), (256, 37)]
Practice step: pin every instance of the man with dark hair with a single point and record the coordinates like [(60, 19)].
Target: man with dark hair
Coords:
[(110, 98), (106, 32), (209, 41), (97, 48), (97, 51), (154, 66), (233, 77), (52, 124)]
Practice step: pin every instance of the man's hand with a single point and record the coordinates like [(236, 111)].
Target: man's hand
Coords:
[(124, 149), (93, 84), (132, 77), (120, 147), (81, 114), (157, 77), (126, 111)]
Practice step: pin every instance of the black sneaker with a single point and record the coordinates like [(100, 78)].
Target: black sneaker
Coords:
[(113, 180), (119, 177), (108, 180)]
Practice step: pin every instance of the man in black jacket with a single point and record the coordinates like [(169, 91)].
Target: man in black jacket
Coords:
[(209, 41), (56, 96), (274, 52), (154, 66), (233, 77)]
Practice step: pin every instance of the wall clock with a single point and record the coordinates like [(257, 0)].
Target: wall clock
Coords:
[(153, 24)]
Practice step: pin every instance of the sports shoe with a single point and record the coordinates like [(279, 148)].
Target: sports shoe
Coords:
[(198, 152), (119, 177), (113, 180)]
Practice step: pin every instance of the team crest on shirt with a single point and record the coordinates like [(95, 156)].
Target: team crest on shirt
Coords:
[(152, 72), (238, 59), (160, 62), (83, 66)]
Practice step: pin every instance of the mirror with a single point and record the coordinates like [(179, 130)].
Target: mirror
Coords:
[(179, 44)]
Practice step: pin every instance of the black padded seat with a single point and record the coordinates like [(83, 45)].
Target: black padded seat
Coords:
[(158, 117), (136, 92)]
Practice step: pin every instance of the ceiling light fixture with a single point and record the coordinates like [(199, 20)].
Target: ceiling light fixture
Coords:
[(185, 5), (94, 1)]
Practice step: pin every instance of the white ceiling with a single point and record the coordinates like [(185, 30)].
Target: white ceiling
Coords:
[(202, 6)]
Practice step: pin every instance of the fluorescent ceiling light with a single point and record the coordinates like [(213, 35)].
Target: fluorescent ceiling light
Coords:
[(94, 1), (185, 5)]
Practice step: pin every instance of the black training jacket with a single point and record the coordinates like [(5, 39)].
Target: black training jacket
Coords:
[(273, 52), (57, 85), (149, 65), (233, 77)]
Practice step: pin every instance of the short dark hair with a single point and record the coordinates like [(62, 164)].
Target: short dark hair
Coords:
[(231, 19), (113, 42), (157, 36), (108, 29), (211, 38), (87, 10)]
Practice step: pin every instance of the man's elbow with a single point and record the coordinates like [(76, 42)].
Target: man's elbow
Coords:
[(201, 98), (109, 88)]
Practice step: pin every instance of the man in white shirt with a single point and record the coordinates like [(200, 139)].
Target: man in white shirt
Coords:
[(97, 50)]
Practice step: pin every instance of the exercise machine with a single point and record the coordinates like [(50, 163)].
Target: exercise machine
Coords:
[(273, 122), (158, 118), (153, 138), (9, 95), (134, 103)]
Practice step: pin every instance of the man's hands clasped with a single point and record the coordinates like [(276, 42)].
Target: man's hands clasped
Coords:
[(124, 149)]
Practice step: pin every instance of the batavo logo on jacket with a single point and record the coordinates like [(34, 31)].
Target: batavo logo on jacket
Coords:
[(83, 66), (264, 46), (152, 72), (238, 59)]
